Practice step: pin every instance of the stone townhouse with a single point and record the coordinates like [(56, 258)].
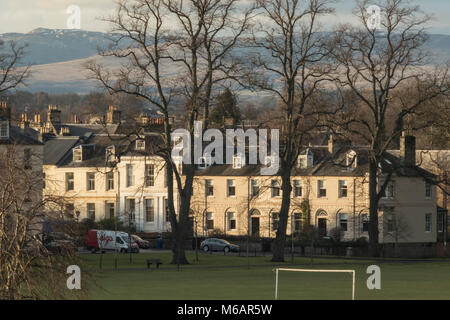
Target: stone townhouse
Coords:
[(330, 191), (21, 162), (102, 171)]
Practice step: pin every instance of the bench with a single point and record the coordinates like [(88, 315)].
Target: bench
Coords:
[(154, 261)]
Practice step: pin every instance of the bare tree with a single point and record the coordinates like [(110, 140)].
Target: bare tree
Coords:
[(29, 268), (374, 66), (197, 37), (11, 75), (292, 67)]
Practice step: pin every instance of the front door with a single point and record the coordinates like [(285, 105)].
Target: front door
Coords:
[(322, 225), (255, 227)]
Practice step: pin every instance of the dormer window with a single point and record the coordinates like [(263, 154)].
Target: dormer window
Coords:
[(205, 162), (4, 130), (268, 160), (306, 160), (238, 162), (140, 144), (111, 154), (83, 152), (78, 154), (351, 160)]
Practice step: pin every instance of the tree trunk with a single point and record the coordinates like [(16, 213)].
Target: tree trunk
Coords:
[(278, 245), (180, 233), (373, 210)]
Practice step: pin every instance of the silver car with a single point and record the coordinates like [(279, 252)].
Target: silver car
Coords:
[(214, 244)]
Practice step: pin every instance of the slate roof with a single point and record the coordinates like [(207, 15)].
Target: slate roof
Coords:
[(326, 164), (56, 149), (22, 137)]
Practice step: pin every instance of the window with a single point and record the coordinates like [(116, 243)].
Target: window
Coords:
[(110, 211), (342, 189), (389, 191), (351, 160), (275, 221), (427, 190), (428, 222), (27, 159), (302, 162), (209, 221), (130, 177), (343, 221), (231, 221), (4, 130), (109, 181), (297, 188), (390, 222), (130, 208), (149, 210), (321, 191), (440, 221), (231, 188), (209, 188), (149, 175), (140, 144), (110, 154), (69, 181), (298, 221), (365, 223), (255, 188), (205, 162), (78, 154), (119, 240), (275, 188), (167, 212), (238, 162), (90, 177), (91, 211)]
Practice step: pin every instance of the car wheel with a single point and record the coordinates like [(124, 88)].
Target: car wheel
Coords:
[(206, 248), (93, 250), (226, 249)]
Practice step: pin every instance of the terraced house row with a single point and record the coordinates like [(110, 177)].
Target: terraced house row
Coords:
[(103, 171)]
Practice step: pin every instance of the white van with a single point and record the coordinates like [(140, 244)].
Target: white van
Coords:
[(105, 240)]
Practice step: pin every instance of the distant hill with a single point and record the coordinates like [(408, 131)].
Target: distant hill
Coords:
[(58, 56), (46, 46)]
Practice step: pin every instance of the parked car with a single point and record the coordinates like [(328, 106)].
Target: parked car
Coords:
[(58, 242), (213, 244), (103, 240), (143, 244)]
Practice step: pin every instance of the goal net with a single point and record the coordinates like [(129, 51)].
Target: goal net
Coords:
[(318, 279)]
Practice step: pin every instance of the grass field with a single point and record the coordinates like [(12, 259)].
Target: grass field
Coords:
[(223, 278)]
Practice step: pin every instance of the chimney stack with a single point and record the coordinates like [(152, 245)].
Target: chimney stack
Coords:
[(37, 118), (24, 124), (54, 114), (5, 111), (408, 150), (113, 115)]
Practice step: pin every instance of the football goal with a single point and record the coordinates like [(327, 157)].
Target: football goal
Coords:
[(277, 270)]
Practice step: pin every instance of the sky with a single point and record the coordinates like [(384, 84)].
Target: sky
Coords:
[(25, 15)]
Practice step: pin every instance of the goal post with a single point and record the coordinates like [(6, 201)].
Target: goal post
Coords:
[(314, 270)]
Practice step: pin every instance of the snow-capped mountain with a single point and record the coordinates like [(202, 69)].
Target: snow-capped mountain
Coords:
[(58, 56), (46, 46)]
